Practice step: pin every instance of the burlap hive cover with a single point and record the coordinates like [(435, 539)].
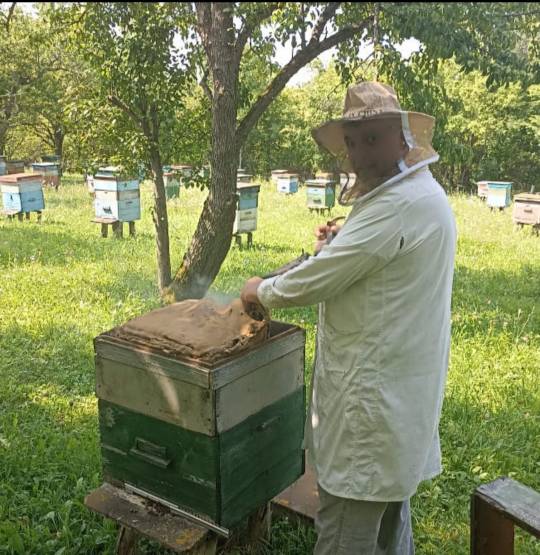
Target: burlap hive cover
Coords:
[(197, 329)]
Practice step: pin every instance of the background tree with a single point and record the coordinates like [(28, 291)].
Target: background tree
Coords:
[(143, 75)]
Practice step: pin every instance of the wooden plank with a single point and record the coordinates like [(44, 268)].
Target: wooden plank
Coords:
[(156, 394), (175, 464), (147, 518), (259, 389), (131, 356), (300, 501), (515, 501), (285, 341)]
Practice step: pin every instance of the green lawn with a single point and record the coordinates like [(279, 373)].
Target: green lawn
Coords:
[(62, 284)]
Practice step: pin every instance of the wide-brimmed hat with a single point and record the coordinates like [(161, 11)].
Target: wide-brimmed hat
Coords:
[(371, 100)]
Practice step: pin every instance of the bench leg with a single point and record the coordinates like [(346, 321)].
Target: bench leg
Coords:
[(104, 230), (27, 215), (132, 229), (491, 532), (238, 239), (127, 541), (20, 216), (249, 239)]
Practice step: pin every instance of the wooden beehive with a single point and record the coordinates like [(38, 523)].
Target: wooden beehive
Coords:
[(321, 194), (246, 211), (482, 189), (499, 194), (287, 183), (15, 166), (527, 209), (275, 174), (117, 197), (50, 172), (22, 192), (215, 440), (3, 165), (172, 181)]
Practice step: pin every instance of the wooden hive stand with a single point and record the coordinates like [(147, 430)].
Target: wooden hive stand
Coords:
[(117, 227), (140, 517), (238, 239)]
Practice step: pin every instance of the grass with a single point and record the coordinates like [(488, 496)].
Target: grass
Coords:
[(61, 285)]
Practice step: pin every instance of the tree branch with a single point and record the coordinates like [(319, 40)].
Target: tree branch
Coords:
[(249, 26), (301, 58), (326, 15), (116, 102), (10, 15)]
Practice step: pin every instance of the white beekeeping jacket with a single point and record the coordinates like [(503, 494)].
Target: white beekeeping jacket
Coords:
[(384, 286)]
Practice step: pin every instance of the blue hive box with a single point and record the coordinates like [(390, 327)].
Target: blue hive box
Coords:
[(499, 194), (287, 183), (22, 192)]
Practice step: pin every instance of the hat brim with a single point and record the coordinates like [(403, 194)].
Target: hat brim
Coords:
[(330, 136)]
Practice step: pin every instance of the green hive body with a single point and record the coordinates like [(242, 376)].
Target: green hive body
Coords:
[(217, 441)]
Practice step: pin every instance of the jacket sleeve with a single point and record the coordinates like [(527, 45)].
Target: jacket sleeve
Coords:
[(369, 239)]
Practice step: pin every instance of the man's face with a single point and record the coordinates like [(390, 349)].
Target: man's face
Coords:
[(374, 147)]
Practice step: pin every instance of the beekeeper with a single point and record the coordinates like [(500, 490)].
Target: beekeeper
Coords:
[(384, 288)]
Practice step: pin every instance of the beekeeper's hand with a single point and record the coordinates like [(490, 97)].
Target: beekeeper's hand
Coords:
[(322, 232), (248, 295)]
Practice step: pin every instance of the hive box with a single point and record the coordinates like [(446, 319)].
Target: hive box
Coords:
[(321, 194), (15, 166), (3, 165), (527, 209), (172, 181), (217, 440), (50, 172), (246, 212), (117, 197), (498, 195), (482, 189), (22, 192), (287, 183), (277, 173), (124, 206)]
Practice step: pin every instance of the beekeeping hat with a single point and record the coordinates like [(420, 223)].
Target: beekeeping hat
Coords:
[(371, 100)]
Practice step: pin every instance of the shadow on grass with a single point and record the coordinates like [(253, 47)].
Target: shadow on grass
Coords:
[(30, 242)]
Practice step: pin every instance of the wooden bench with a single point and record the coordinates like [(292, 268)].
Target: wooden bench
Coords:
[(21, 215), (117, 227), (495, 509)]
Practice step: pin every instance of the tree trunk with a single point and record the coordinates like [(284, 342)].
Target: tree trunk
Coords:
[(212, 238), (59, 145), (161, 221)]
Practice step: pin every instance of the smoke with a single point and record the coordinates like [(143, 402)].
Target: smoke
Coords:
[(204, 282)]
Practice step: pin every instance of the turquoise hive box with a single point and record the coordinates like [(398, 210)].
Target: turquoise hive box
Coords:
[(320, 194), (499, 194)]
